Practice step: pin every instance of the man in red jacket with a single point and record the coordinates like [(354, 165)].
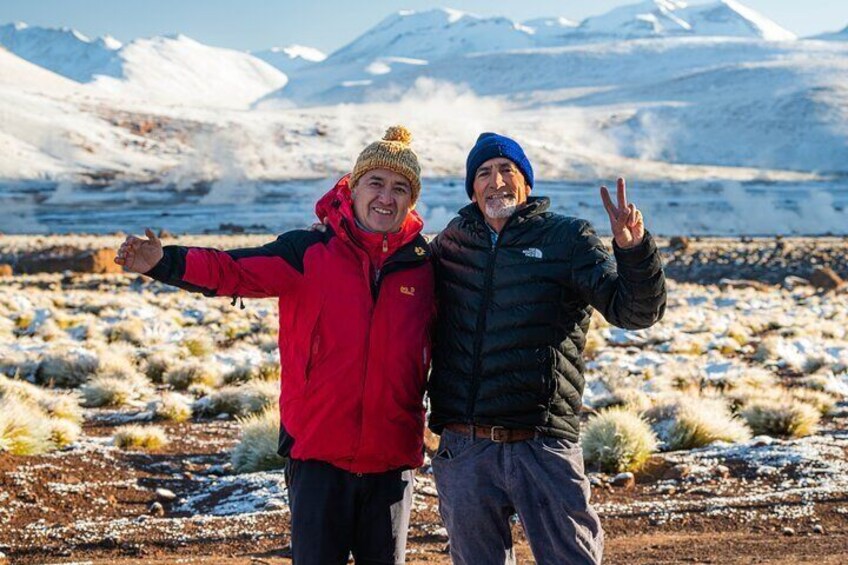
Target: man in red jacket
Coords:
[(356, 303)]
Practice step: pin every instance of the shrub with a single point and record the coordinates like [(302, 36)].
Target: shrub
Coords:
[(191, 372), (135, 437), (266, 371), (257, 449), (63, 432), (199, 345), (821, 401), (130, 330), (158, 363), (23, 430), (784, 417), (171, 406), (55, 404), (67, 367), (113, 391), (249, 398), (618, 440), (687, 423)]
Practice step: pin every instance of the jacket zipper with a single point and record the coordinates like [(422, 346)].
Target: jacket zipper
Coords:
[(481, 323)]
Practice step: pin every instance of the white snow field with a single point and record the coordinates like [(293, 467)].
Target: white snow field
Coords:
[(659, 92)]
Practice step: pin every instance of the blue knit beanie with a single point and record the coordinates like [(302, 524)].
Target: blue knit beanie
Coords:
[(490, 145)]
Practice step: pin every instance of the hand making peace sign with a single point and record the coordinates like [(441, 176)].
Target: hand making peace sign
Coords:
[(628, 229)]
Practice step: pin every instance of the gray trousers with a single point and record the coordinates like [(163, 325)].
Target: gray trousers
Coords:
[(482, 484)]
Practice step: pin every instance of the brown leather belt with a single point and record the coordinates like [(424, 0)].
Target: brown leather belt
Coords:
[(497, 434)]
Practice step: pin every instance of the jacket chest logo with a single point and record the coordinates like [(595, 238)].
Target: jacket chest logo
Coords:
[(407, 290), (533, 252), (420, 251)]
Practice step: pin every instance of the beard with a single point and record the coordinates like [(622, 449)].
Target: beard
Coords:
[(501, 207)]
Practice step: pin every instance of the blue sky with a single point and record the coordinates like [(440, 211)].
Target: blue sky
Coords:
[(327, 25)]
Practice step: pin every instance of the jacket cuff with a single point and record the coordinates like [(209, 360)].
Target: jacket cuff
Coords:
[(163, 270), (637, 254)]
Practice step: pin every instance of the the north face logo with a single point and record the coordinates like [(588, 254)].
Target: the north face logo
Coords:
[(407, 290), (533, 252)]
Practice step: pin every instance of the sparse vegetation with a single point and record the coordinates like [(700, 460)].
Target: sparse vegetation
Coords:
[(784, 417), (687, 423), (242, 400), (257, 450), (617, 440), (143, 438)]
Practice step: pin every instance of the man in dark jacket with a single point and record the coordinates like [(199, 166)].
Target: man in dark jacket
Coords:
[(356, 305), (516, 285)]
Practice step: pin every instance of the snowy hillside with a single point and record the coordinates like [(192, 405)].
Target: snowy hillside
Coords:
[(179, 70), (660, 90), (169, 70), (291, 58), (836, 36), (654, 18), (64, 51)]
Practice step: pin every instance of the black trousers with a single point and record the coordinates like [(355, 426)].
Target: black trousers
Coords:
[(335, 513)]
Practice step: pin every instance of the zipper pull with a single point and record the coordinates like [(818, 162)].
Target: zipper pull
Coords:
[(241, 303), (385, 242), (233, 303)]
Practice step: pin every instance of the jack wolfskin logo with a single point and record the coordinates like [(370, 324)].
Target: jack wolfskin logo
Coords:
[(407, 290), (420, 251), (533, 252)]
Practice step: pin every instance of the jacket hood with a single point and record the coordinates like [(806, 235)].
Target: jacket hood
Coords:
[(336, 207)]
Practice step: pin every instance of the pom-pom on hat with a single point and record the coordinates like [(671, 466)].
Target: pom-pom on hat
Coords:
[(393, 153), (490, 145)]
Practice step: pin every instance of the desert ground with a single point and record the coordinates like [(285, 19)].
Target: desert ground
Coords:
[(134, 429)]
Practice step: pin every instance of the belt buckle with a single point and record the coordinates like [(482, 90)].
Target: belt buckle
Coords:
[(494, 430)]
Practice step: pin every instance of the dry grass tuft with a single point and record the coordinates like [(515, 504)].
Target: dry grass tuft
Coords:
[(67, 367), (199, 345), (135, 437), (114, 391), (784, 417), (130, 330), (687, 423), (617, 440), (257, 450), (171, 406), (192, 372), (242, 400)]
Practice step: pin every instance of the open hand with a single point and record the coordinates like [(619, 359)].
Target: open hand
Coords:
[(140, 255), (628, 229)]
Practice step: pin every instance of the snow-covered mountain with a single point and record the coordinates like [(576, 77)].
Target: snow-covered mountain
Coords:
[(179, 70), (170, 69), (659, 89), (64, 51), (835, 36), (656, 18), (291, 58)]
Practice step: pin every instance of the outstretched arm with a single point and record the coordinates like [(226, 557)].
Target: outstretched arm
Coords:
[(256, 272)]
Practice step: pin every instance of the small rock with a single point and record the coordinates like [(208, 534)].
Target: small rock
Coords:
[(441, 533), (679, 242), (429, 490), (156, 509), (626, 480), (702, 491), (165, 494), (2, 556), (677, 472), (788, 532), (595, 481), (274, 505), (223, 416), (826, 278), (666, 489), (721, 471), (818, 529)]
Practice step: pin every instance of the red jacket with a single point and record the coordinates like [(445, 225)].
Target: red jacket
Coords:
[(354, 331)]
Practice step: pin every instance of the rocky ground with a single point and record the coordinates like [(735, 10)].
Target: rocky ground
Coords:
[(740, 311)]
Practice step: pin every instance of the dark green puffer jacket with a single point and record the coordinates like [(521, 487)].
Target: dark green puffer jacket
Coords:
[(513, 318)]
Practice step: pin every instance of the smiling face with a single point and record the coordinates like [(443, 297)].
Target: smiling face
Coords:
[(381, 200), (499, 190)]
